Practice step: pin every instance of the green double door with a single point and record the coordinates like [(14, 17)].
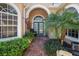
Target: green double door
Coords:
[(39, 28)]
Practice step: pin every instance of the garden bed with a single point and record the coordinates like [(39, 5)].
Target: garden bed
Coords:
[(51, 47), (15, 47)]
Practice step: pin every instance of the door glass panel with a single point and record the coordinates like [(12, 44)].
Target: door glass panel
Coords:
[(4, 32), (0, 31), (36, 27), (41, 27), (0, 18)]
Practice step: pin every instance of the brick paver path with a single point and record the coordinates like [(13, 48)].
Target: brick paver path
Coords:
[(37, 47)]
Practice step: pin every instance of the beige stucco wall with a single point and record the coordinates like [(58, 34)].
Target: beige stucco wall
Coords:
[(21, 7), (37, 11)]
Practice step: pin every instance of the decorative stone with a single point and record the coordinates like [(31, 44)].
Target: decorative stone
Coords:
[(63, 53)]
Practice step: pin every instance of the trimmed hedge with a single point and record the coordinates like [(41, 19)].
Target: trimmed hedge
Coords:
[(51, 46), (15, 47)]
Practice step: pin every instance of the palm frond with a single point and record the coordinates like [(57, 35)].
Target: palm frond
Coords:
[(68, 20)]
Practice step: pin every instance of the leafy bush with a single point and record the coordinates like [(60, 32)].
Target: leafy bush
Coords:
[(15, 47), (51, 46), (29, 35)]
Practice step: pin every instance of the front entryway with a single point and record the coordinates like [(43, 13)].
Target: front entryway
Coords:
[(37, 47), (38, 25)]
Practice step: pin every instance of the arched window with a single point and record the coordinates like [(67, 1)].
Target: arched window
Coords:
[(8, 21), (72, 9), (72, 32), (38, 19)]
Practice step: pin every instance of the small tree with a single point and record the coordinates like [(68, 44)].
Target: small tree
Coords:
[(68, 20), (51, 24)]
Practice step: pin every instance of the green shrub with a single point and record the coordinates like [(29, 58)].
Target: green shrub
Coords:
[(29, 35), (15, 47), (51, 46)]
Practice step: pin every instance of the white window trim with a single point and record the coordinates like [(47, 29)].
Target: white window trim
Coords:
[(72, 39), (8, 39), (19, 33), (76, 6)]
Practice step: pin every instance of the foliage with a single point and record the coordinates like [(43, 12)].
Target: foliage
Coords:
[(51, 46), (52, 23), (58, 23), (15, 47), (29, 35), (68, 19)]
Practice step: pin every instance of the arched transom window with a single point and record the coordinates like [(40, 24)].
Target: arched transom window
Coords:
[(38, 19), (8, 21), (72, 9)]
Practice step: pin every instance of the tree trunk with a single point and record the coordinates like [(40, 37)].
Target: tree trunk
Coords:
[(63, 36), (57, 35)]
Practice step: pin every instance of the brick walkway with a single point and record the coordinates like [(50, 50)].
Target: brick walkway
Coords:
[(37, 47)]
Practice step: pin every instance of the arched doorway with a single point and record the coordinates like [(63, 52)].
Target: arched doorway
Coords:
[(38, 25), (36, 16)]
